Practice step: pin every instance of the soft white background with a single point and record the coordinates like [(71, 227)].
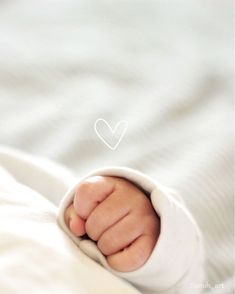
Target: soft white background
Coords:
[(164, 66)]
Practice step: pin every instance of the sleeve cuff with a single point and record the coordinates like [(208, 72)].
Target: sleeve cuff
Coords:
[(177, 248)]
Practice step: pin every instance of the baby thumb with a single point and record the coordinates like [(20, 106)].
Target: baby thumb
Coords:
[(75, 223)]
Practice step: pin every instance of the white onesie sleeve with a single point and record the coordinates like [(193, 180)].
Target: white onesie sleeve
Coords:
[(176, 263)]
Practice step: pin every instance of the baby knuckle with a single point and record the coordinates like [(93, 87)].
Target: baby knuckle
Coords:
[(140, 256), (90, 228), (104, 245), (85, 188)]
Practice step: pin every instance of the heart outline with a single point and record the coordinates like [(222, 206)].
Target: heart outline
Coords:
[(112, 131)]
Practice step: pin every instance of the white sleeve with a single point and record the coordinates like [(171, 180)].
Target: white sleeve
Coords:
[(176, 263)]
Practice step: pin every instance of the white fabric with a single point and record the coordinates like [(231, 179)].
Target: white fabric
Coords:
[(31, 238), (165, 66), (176, 263)]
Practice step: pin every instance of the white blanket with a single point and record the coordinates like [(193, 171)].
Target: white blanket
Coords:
[(28, 225), (165, 66)]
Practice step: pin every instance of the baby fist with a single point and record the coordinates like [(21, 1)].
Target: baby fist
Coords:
[(119, 217)]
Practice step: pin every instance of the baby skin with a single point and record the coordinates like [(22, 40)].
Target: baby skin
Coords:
[(119, 217)]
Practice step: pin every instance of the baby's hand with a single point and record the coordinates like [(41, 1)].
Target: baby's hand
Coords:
[(119, 216)]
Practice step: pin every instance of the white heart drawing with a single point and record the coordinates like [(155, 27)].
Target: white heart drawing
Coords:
[(116, 135)]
